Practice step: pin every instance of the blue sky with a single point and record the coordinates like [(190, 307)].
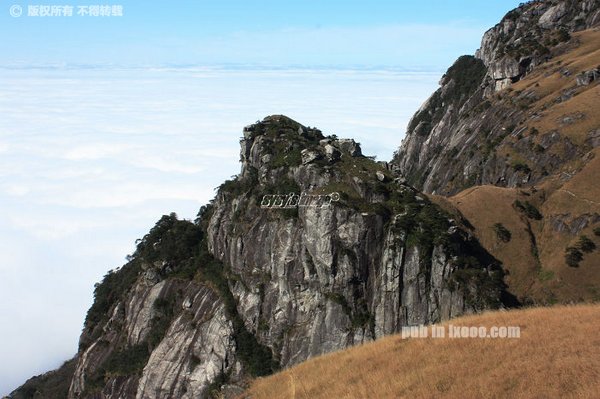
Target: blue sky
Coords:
[(308, 32), (109, 123)]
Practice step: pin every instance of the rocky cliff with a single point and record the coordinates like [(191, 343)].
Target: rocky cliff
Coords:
[(266, 278), (481, 126)]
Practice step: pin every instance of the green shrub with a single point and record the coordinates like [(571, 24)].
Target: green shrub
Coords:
[(482, 287), (113, 287), (528, 209), (160, 323), (467, 72), (239, 186), (585, 244), (54, 384), (128, 361), (521, 167), (502, 232), (573, 256), (287, 159), (512, 15), (597, 231), (204, 213), (426, 226), (562, 35), (171, 240)]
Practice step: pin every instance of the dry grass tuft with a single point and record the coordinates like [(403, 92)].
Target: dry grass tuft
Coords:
[(557, 356)]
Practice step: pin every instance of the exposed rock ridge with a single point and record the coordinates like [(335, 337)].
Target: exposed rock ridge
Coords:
[(521, 41), (451, 141)]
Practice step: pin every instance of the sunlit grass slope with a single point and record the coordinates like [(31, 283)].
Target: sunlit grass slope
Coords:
[(556, 356)]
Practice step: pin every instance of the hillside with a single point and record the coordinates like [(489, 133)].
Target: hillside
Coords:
[(491, 202), (534, 254), (557, 355)]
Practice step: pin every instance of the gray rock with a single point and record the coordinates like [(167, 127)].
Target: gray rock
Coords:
[(332, 153), (593, 138), (588, 77), (348, 146), (552, 16), (309, 156), (505, 68), (266, 158)]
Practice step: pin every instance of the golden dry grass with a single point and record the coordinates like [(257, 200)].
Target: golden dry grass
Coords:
[(484, 206), (548, 82), (557, 356), (546, 279), (576, 197)]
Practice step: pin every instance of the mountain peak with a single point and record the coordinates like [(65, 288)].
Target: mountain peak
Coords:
[(528, 35), (279, 143)]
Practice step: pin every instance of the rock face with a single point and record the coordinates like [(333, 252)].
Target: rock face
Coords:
[(330, 276), (451, 141), (196, 347), (255, 285), (588, 77), (522, 39)]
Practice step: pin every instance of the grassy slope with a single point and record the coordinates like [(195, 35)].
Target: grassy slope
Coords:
[(548, 279), (548, 82), (484, 206), (558, 355)]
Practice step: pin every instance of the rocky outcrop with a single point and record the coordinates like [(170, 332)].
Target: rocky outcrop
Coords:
[(198, 347), (588, 77), (451, 141), (331, 276), (195, 349), (522, 40)]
